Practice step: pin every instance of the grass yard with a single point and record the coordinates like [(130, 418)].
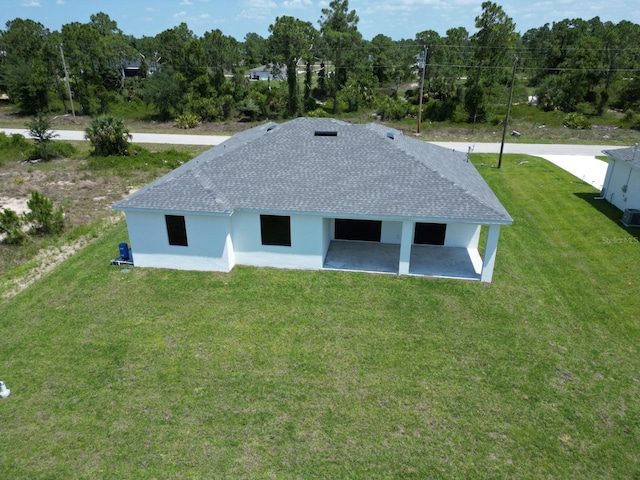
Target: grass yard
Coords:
[(266, 373)]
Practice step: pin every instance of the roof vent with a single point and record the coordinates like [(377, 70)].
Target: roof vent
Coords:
[(391, 135), (271, 128), (326, 133)]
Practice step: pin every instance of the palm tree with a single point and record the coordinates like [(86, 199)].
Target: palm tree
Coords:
[(108, 135)]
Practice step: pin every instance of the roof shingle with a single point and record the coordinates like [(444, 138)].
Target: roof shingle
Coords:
[(360, 172)]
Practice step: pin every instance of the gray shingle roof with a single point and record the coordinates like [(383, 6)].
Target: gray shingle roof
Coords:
[(630, 155), (360, 172)]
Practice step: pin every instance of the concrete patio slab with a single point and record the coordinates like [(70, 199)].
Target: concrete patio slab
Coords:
[(426, 260)]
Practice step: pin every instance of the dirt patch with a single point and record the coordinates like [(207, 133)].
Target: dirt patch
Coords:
[(86, 197), (18, 205)]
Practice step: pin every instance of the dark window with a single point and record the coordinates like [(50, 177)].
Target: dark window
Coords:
[(363, 230), (176, 230), (430, 233), (275, 230)]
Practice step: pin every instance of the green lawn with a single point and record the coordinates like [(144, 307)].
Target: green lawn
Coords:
[(285, 374)]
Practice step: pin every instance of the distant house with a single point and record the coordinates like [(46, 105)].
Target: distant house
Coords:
[(621, 185), (320, 194), (268, 72)]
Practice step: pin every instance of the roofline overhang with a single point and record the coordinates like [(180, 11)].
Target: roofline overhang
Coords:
[(613, 157), (350, 216), (171, 212)]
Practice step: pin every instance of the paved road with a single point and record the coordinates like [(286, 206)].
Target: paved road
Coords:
[(579, 160), (172, 138), (186, 139)]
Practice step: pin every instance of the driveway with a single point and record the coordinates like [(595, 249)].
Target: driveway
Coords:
[(579, 160)]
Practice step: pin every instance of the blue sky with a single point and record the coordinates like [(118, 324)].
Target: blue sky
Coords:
[(395, 18)]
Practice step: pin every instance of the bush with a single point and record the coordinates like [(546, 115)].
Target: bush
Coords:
[(11, 226), (391, 109), (61, 150), (44, 219), (440, 110), (187, 120), (576, 121), (40, 129), (108, 135)]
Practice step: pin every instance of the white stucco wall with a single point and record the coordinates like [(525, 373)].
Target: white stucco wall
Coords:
[(210, 247), (326, 236), (618, 175), (391, 232), (462, 235), (306, 250)]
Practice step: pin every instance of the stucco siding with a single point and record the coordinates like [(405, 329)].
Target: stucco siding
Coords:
[(391, 232), (326, 236), (306, 250), (462, 235), (208, 237), (619, 175)]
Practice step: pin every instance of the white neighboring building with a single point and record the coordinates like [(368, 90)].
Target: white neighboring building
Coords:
[(319, 194), (621, 185)]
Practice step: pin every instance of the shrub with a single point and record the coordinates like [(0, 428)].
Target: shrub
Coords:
[(440, 110), (108, 135), (40, 129), (391, 108), (44, 219), (576, 121), (11, 226), (61, 150), (187, 120)]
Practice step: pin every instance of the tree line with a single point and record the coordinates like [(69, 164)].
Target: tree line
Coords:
[(573, 65)]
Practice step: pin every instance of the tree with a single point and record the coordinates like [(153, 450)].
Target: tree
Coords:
[(290, 40), (493, 44), (40, 129), (108, 135), (254, 50), (383, 51), (26, 77), (222, 53), (44, 219), (341, 42), (166, 89)]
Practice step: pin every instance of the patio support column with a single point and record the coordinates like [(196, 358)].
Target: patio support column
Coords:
[(490, 253), (405, 247)]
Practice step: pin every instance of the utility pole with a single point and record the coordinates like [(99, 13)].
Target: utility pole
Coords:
[(66, 80), (506, 120), (425, 49)]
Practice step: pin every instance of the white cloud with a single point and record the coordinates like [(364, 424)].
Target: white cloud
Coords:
[(180, 14), (60, 2), (186, 2), (204, 16), (297, 3), (32, 3), (257, 9)]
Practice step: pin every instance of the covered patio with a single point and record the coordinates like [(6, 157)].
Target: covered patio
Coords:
[(425, 260)]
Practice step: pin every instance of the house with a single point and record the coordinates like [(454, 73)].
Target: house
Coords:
[(268, 72), (621, 185), (320, 194)]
